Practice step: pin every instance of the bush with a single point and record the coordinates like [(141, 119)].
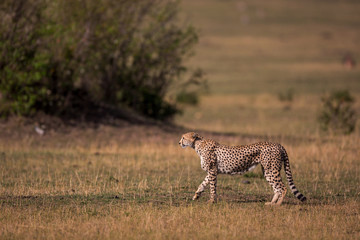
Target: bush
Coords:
[(337, 113), (188, 91), (59, 56)]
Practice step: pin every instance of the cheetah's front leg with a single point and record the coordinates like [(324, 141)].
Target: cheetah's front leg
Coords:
[(201, 187), (212, 181)]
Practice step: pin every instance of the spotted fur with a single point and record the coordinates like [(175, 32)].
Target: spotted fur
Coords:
[(221, 159)]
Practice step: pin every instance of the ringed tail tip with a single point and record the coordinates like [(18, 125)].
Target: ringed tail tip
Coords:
[(301, 198)]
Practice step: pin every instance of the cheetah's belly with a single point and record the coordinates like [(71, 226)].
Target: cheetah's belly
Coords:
[(246, 170), (236, 160), (235, 166)]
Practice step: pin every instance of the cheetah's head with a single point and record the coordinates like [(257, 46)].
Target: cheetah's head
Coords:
[(188, 139)]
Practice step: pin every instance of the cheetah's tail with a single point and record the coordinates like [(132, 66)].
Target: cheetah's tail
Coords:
[(290, 178)]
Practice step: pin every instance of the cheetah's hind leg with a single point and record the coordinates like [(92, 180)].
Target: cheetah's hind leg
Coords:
[(274, 200), (281, 196), (278, 197), (274, 179)]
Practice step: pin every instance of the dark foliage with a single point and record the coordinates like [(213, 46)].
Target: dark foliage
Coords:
[(337, 113), (60, 56)]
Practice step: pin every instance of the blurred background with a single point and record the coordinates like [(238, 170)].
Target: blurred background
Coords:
[(270, 63), (250, 67)]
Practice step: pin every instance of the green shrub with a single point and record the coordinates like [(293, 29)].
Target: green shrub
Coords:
[(59, 56), (187, 98), (337, 114), (188, 91)]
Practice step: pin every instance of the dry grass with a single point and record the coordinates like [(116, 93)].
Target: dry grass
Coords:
[(131, 189)]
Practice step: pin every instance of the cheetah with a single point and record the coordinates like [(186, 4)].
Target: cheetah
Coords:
[(221, 159)]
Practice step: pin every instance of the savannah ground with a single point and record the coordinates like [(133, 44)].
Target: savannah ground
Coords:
[(134, 181)]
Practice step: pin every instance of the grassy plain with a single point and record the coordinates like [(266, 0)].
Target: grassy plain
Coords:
[(135, 182), (116, 183)]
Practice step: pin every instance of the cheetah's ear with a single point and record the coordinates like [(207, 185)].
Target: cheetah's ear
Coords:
[(195, 136)]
